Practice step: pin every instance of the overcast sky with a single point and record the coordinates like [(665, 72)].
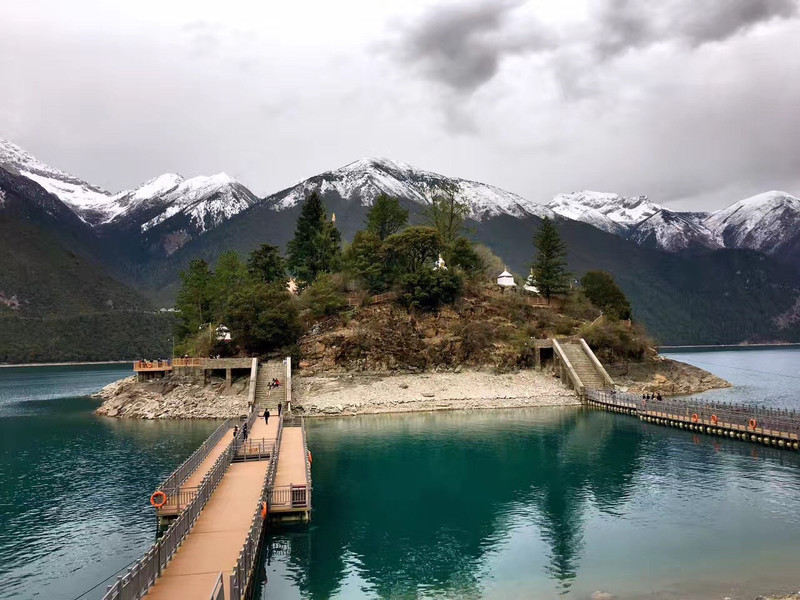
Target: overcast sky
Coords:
[(695, 103)]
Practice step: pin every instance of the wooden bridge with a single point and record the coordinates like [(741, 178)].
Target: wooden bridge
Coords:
[(215, 507), (748, 423)]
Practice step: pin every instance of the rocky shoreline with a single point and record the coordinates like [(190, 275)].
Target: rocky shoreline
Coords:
[(176, 397), (173, 397)]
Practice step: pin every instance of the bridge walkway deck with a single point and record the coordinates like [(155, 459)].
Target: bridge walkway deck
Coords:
[(177, 502), (215, 541)]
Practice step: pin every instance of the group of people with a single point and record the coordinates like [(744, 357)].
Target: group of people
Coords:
[(652, 396), (273, 384), (266, 416)]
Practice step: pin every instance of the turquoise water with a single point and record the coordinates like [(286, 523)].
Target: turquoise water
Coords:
[(536, 503), (74, 487), (768, 376)]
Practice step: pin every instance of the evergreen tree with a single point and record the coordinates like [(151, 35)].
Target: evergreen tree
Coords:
[(602, 291), (549, 264), (229, 274), (316, 245), (262, 318), (412, 249), (386, 217), (266, 264), (363, 259), (194, 301), (447, 217)]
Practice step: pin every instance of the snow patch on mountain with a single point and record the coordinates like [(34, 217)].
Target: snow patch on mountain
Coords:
[(365, 179), (760, 222), (205, 201), (89, 202), (672, 231), (607, 211)]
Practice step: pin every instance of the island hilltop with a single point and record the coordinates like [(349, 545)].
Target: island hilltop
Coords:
[(405, 318)]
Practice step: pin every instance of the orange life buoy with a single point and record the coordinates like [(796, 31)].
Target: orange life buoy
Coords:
[(714, 419), (695, 418), (149, 365), (752, 423), (309, 457), (263, 510), (160, 494)]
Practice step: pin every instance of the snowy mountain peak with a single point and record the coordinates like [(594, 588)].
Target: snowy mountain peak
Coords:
[(206, 201), (762, 222), (673, 232), (89, 202), (607, 211), (365, 179)]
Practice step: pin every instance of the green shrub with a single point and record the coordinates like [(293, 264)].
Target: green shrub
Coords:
[(323, 297), (615, 341), (427, 289)]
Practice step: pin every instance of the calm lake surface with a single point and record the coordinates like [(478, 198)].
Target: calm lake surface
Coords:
[(535, 503)]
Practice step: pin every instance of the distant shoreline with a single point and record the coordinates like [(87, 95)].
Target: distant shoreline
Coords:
[(730, 346), (66, 364)]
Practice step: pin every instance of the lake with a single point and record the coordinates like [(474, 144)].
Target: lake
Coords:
[(533, 503)]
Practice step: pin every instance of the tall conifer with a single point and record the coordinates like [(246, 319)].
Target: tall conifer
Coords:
[(550, 262)]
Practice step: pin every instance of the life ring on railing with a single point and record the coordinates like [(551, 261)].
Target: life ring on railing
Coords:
[(263, 510), (752, 423), (161, 495), (714, 419), (149, 365), (309, 457), (695, 418)]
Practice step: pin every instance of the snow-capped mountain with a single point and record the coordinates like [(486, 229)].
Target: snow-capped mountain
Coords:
[(672, 231), (203, 202), (606, 211), (363, 180), (179, 208), (768, 222), (89, 202)]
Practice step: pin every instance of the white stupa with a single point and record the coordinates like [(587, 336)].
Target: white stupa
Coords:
[(530, 284), (440, 265), (506, 279)]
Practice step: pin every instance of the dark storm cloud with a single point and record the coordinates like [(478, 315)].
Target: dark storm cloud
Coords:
[(462, 45), (628, 24)]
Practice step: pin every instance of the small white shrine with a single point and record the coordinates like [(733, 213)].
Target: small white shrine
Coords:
[(530, 284), (440, 265), (223, 334), (506, 279)]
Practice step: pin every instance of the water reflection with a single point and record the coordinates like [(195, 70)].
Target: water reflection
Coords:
[(432, 505)]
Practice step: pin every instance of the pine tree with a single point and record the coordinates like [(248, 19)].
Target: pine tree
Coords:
[(266, 264), (195, 298), (549, 264), (386, 217), (316, 245)]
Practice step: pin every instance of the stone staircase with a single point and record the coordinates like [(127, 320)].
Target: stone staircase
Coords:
[(268, 396), (587, 371)]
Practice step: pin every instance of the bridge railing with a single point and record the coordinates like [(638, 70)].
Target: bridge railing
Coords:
[(245, 562), (152, 365), (173, 482), (218, 591), (189, 362), (146, 571), (255, 449), (752, 418)]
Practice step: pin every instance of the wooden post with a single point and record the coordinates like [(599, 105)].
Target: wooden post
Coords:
[(288, 362)]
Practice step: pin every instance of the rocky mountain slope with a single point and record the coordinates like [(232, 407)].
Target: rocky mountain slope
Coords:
[(148, 235)]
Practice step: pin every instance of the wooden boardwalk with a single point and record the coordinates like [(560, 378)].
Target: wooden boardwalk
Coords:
[(214, 543), (177, 502), (217, 514), (291, 474)]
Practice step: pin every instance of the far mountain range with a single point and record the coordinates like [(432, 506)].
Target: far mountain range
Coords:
[(724, 277)]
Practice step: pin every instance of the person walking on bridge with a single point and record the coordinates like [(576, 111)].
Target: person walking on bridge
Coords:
[(244, 431), (266, 416), (280, 406)]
